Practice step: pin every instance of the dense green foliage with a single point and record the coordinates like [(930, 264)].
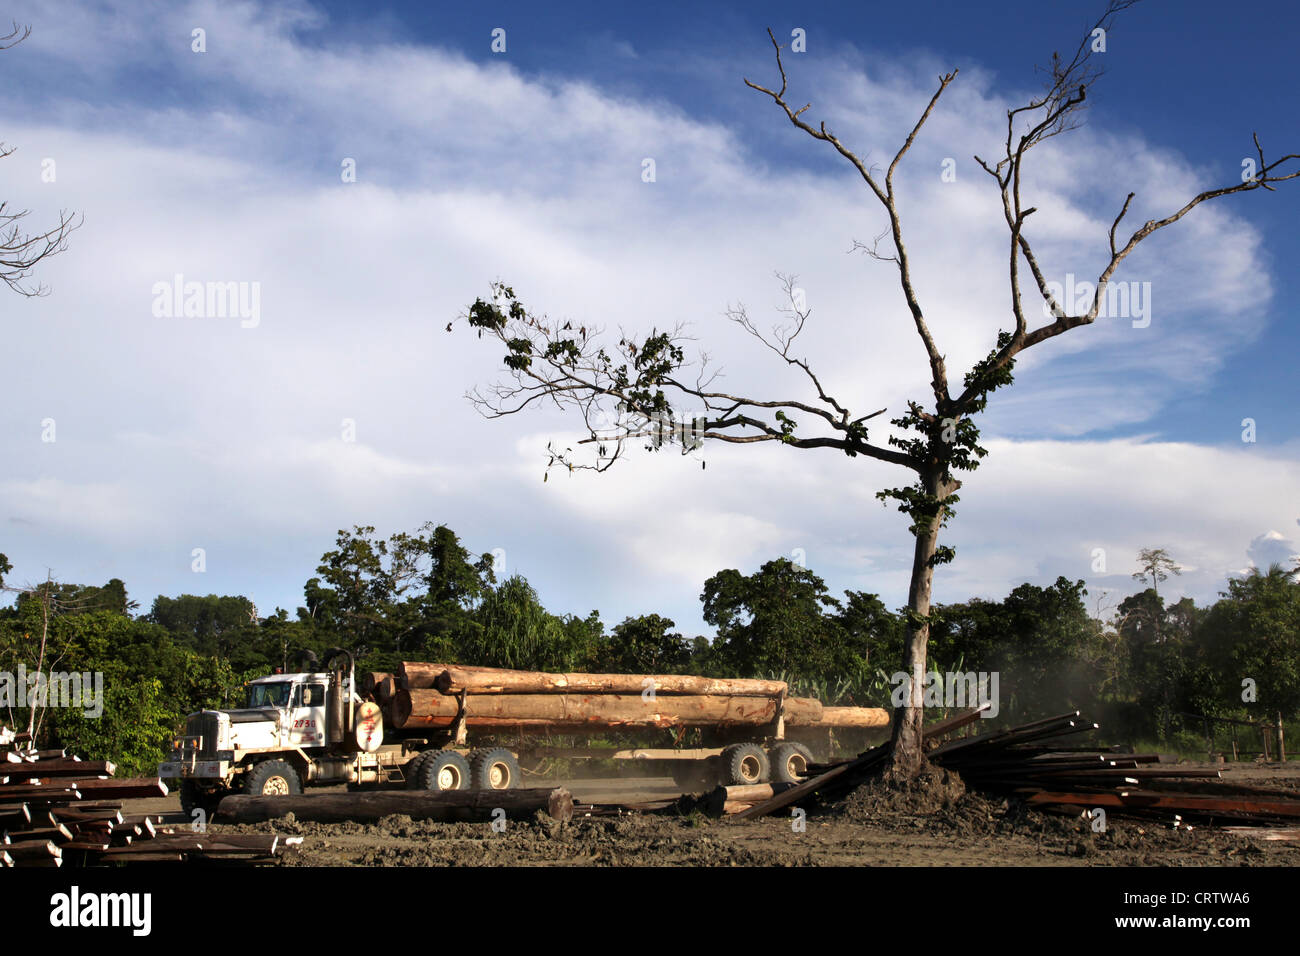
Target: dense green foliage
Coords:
[(426, 596)]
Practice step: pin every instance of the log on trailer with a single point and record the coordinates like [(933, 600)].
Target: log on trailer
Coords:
[(865, 717), (417, 675), (370, 807), (429, 708), (491, 680)]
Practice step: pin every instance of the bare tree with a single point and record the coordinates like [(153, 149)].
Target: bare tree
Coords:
[(629, 389), (20, 252)]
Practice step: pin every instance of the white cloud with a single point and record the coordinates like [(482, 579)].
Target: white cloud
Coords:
[(177, 431)]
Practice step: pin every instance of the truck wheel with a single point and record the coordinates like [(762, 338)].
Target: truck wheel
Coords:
[(790, 762), (745, 764), (194, 797), (495, 769), (443, 770), (411, 769), (272, 778)]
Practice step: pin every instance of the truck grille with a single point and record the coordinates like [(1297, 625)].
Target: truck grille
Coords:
[(204, 725)]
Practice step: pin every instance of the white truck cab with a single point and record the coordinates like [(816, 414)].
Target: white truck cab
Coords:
[(295, 729)]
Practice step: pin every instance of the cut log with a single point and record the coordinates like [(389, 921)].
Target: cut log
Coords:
[(741, 797), (369, 682), (593, 712), (490, 680), (849, 717), (370, 807), (416, 675), (802, 711)]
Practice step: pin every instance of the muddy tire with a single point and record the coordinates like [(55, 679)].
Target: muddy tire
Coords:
[(495, 769), (745, 764), (411, 769), (194, 797), (790, 762), (443, 770), (272, 778)]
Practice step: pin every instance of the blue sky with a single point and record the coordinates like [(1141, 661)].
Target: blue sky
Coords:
[(181, 434)]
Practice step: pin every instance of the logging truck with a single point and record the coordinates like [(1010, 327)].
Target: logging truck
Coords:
[(414, 729)]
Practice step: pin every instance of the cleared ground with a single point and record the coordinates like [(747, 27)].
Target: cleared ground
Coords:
[(872, 828)]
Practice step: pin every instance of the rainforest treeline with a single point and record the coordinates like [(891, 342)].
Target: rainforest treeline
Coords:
[(1142, 670)]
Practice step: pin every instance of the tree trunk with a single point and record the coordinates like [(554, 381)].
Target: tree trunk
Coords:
[(909, 756), (492, 680), (592, 713)]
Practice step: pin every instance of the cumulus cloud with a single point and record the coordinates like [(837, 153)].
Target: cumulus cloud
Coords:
[(1270, 548), (179, 433)]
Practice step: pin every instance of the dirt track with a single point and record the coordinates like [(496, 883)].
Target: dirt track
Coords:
[(871, 828)]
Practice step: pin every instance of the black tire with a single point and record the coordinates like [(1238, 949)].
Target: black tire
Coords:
[(495, 769), (790, 762), (272, 778), (443, 770), (194, 797), (411, 769), (745, 764)]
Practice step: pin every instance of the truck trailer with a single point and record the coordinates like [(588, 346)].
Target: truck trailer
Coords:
[(419, 728)]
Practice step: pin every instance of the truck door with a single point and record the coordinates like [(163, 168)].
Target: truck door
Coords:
[(307, 726)]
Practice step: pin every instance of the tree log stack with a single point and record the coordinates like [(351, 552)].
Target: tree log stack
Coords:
[(58, 810), (431, 696)]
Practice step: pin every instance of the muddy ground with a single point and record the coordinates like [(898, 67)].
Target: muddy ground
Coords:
[(873, 827)]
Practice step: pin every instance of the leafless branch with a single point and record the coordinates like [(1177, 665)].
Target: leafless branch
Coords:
[(21, 252), (884, 193)]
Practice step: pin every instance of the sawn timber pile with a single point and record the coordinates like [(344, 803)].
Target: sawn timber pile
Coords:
[(1040, 765), (56, 810), (423, 695)]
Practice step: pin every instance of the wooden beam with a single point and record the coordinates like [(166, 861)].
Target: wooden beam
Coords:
[(372, 806)]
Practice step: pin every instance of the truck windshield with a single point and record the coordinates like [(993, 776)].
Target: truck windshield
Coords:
[(269, 695)]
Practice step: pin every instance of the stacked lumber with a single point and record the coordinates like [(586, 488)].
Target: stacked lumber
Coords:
[(57, 809), (423, 695), (1039, 764)]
